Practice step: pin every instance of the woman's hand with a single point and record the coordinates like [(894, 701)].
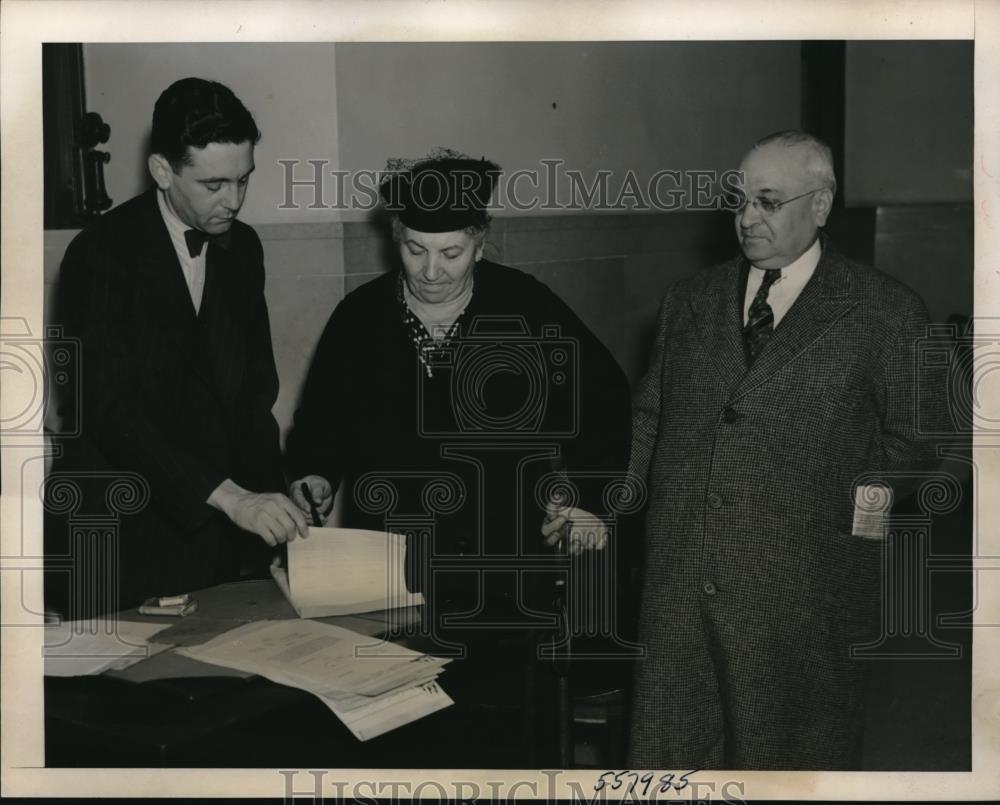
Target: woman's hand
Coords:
[(321, 491), (581, 529)]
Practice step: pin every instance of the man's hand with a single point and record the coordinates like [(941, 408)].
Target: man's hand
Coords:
[(581, 529), (321, 491), (269, 515)]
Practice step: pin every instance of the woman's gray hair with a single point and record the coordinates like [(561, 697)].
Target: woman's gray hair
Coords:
[(819, 158), (477, 233)]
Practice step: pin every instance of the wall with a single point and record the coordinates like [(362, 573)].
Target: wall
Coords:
[(289, 87), (908, 122), (908, 150), (305, 282), (639, 106)]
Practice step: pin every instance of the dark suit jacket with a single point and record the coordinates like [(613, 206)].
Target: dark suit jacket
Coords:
[(754, 585), (169, 402)]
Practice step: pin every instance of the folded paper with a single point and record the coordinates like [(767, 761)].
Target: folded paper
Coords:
[(344, 571)]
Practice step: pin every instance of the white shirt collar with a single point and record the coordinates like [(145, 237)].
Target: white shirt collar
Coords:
[(786, 289), (174, 224), (805, 264), (193, 268)]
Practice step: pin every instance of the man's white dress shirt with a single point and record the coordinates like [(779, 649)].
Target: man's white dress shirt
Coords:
[(786, 290), (192, 267)]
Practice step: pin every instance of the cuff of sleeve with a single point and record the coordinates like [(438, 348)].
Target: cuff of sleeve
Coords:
[(193, 510)]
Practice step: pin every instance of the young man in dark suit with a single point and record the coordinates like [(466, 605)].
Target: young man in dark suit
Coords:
[(176, 376)]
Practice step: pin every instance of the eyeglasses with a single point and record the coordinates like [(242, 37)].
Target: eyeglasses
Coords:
[(769, 206)]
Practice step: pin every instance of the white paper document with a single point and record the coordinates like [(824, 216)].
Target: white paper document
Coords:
[(344, 571), (371, 686), (393, 710), (84, 648), (872, 503)]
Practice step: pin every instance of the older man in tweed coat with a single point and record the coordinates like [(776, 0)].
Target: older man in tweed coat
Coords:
[(777, 380)]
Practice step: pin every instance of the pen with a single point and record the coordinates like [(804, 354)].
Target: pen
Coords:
[(307, 493)]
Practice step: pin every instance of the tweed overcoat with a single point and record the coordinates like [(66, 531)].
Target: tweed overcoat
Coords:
[(754, 586)]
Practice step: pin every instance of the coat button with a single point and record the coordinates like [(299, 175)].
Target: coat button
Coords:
[(715, 501), (730, 415), (709, 588)]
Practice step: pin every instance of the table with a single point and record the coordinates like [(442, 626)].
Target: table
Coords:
[(171, 711)]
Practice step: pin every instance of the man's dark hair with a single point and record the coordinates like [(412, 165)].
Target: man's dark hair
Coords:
[(194, 112)]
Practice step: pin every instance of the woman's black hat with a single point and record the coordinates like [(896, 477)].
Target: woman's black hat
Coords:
[(442, 194)]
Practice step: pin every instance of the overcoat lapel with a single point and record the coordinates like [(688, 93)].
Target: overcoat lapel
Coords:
[(825, 299), (719, 318)]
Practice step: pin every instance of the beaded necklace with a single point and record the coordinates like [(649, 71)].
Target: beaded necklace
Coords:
[(423, 341)]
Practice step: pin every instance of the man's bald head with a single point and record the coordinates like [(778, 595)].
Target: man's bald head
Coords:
[(816, 156), (788, 181)]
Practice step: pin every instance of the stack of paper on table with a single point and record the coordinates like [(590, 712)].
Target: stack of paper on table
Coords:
[(371, 686), (84, 648), (343, 571)]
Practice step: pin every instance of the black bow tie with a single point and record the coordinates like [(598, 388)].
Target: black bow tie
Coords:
[(196, 239)]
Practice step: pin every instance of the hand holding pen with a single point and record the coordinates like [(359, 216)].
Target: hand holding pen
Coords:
[(314, 495)]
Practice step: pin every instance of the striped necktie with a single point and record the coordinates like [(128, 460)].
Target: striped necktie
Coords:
[(760, 321)]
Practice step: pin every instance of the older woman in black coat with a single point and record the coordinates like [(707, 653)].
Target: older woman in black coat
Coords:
[(450, 398)]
